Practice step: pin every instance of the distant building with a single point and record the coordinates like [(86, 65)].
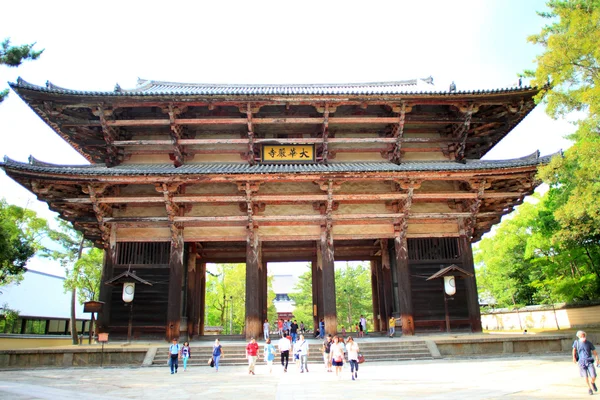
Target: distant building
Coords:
[(43, 305), (282, 286)]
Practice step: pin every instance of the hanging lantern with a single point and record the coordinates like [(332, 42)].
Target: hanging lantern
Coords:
[(128, 291), (450, 285)]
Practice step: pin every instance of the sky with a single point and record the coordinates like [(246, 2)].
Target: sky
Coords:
[(478, 44)]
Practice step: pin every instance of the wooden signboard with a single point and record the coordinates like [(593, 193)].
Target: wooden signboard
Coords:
[(289, 154)]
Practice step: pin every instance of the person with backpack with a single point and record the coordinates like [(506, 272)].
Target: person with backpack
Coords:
[(583, 355), (327, 353), (185, 354), (269, 354), (174, 355)]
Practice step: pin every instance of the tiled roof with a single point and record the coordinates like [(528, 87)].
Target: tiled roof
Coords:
[(158, 88), (242, 168)]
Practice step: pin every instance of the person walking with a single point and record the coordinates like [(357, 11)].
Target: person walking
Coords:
[(266, 329), (352, 349), (294, 331), (392, 326), (583, 355), (217, 354), (280, 327), (174, 355), (302, 328), (252, 355), (362, 325), (284, 349), (327, 352), (322, 328), (303, 352), (269, 355), (337, 355), (185, 354)]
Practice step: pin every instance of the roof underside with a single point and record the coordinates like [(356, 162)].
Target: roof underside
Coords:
[(188, 120)]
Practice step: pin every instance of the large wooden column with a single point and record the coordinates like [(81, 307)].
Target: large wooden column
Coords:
[(194, 293), (317, 288), (385, 284), (110, 259), (470, 284), (202, 301), (329, 301), (253, 273), (263, 292), (375, 296), (175, 283), (404, 286)]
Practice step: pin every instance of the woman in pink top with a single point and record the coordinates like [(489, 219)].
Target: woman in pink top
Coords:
[(337, 355), (352, 348)]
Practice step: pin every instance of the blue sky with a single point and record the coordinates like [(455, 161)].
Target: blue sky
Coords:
[(479, 44)]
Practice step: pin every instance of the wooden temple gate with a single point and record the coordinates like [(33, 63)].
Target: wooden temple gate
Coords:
[(186, 174)]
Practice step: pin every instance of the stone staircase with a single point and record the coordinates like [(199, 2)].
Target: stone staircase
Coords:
[(235, 353)]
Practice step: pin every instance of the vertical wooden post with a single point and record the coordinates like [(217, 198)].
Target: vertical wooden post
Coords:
[(201, 268), (375, 296), (404, 286), (263, 292), (253, 305), (329, 301), (193, 295), (175, 283), (110, 259), (385, 284), (317, 289), (470, 284)]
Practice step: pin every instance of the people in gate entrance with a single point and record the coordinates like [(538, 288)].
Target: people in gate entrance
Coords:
[(284, 349), (185, 354), (174, 355), (583, 354), (252, 355), (327, 352), (280, 327), (392, 326), (352, 349), (266, 329), (269, 355), (337, 355), (303, 353), (217, 354)]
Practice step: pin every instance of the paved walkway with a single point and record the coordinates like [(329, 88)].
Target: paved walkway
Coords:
[(531, 377)]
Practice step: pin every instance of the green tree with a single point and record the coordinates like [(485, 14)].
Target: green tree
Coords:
[(13, 56), (21, 234), (70, 251), (571, 63), (352, 286)]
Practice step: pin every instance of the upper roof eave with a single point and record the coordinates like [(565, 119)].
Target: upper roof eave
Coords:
[(42, 168), (153, 89)]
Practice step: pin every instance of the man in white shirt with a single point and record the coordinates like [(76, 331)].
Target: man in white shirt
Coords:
[(303, 352), (284, 346), (266, 329)]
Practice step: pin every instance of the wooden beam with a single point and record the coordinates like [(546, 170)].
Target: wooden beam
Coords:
[(175, 283), (462, 131), (398, 135)]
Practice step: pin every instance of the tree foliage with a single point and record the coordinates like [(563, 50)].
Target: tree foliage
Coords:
[(86, 274), (353, 289), (13, 56), (525, 263), (550, 251), (226, 297), (571, 63), (21, 233)]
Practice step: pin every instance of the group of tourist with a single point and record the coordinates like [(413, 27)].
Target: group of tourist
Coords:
[(334, 351), (288, 327)]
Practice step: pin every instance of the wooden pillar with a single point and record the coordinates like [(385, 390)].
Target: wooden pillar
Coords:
[(253, 305), (201, 268), (175, 283), (329, 301), (110, 259), (193, 293), (385, 285), (404, 286), (317, 288), (263, 293), (375, 296), (470, 284)]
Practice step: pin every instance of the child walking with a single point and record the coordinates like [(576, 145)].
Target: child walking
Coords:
[(185, 354)]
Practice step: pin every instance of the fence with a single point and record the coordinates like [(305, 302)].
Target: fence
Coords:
[(542, 317)]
